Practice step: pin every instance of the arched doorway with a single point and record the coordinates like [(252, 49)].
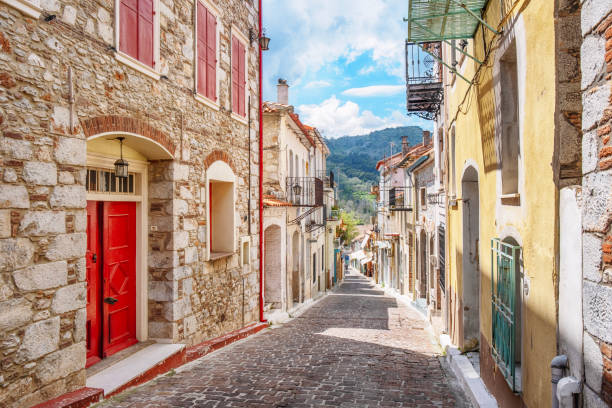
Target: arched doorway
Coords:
[(422, 264), (295, 267), (471, 261), (272, 266), (117, 240)]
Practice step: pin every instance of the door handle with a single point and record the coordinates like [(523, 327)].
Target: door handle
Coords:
[(94, 258), (110, 300)]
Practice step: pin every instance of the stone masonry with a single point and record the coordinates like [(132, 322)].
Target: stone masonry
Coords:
[(61, 84), (597, 206)]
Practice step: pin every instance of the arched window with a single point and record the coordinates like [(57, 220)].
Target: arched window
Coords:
[(220, 180)]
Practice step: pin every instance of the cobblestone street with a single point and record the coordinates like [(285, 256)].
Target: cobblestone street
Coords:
[(355, 348)]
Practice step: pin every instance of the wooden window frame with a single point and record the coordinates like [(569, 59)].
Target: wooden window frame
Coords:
[(130, 61), (244, 40), (214, 104)]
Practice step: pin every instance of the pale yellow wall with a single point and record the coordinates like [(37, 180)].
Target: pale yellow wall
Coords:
[(111, 148), (534, 219)]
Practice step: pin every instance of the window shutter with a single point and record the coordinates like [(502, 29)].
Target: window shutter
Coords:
[(241, 79), (211, 56), (235, 62), (145, 32), (201, 49), (128, 27)]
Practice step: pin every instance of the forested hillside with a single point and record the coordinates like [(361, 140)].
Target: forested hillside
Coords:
[(353, 160)]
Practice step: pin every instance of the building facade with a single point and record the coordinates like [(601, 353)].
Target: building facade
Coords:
[(92, 263), (299, 225)]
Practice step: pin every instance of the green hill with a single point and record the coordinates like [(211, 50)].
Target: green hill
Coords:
[(353, 161)]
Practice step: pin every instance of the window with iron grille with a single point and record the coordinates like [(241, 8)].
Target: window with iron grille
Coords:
[(504, 261), (105, 181)]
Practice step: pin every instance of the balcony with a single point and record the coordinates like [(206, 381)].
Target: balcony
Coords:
[(315, 220), (423, 79), (327, 178), (399, 199), (304, 191)]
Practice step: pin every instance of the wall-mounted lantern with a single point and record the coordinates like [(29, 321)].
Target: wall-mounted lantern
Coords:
[(297, 190), (121, 166), (264, 41)]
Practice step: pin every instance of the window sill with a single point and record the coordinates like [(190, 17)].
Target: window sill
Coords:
[(219, 255), (239, 118), (26, 7), (137, 65), (204, 100), (510, 196), (513, 199)]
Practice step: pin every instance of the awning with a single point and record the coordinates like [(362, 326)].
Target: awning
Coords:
[(365, 241), (357, 255), (366, 260), (383, 244), (439, 20)]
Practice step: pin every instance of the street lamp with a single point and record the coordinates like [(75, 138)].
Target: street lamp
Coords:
[(264, 41), (121, 166), (297, 190)]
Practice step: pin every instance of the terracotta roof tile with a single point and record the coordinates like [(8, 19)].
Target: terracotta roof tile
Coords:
[(271, 201)]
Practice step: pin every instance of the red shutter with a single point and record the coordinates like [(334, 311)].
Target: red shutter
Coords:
[(235, 81), (201, 49), (211, 56), (145, 32), (128, 27), (241, 79)]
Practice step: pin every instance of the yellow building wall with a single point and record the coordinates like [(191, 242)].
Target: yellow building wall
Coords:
[(535, 219)]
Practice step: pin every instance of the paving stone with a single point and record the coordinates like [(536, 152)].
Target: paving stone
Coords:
[(354, 348)]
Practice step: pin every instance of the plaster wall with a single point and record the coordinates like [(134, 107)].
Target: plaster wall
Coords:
[(533, 216)]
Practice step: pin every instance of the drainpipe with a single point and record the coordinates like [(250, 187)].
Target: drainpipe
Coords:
[(261, 235), (557, 365)]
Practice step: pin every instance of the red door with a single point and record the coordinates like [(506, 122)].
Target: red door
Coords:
[(111, 278), (94, 299), (119, 276)]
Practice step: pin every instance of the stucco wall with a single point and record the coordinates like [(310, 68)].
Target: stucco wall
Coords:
[(530, 219)]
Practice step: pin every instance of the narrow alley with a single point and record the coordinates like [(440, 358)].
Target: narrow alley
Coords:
[(355, 347)]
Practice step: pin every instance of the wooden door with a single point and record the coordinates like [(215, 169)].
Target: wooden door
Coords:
[(119, 276), (93, 325)]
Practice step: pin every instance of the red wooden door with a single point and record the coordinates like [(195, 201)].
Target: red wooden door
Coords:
[(94, 300), (119, 276)]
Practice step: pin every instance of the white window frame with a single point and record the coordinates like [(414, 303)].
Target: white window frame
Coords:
[(220, 171), (198, 96), (132, 62), (245, 41), (30, 8)]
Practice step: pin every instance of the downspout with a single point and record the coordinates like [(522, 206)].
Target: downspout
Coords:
[(261, 235)]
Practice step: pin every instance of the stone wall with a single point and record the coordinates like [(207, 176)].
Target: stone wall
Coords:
[(44, 128), (597, 208)]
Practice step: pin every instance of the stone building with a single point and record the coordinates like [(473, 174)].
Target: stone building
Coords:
[(92, 263), (299, 196)]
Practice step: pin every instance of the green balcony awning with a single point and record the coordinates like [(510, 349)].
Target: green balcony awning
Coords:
[(439, 20)]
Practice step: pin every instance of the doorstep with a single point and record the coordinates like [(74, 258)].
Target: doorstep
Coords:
[(139, 367), (143, 365), (469, 379)]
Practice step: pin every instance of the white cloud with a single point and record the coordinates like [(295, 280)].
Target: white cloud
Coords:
[(367, 70), (375, 90), (317, 84), (334, 118), (325, 32)]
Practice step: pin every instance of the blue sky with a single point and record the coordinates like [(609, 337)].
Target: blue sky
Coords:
[(343, 60)]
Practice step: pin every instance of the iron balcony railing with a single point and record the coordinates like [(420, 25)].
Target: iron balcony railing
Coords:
[(423, 79), (399, 199), (334, 215), (315, 220), (304, 191), (504, 262), (326, 177)]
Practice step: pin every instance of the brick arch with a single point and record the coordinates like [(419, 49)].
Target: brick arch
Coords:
[(115, 123), (216, 155)]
